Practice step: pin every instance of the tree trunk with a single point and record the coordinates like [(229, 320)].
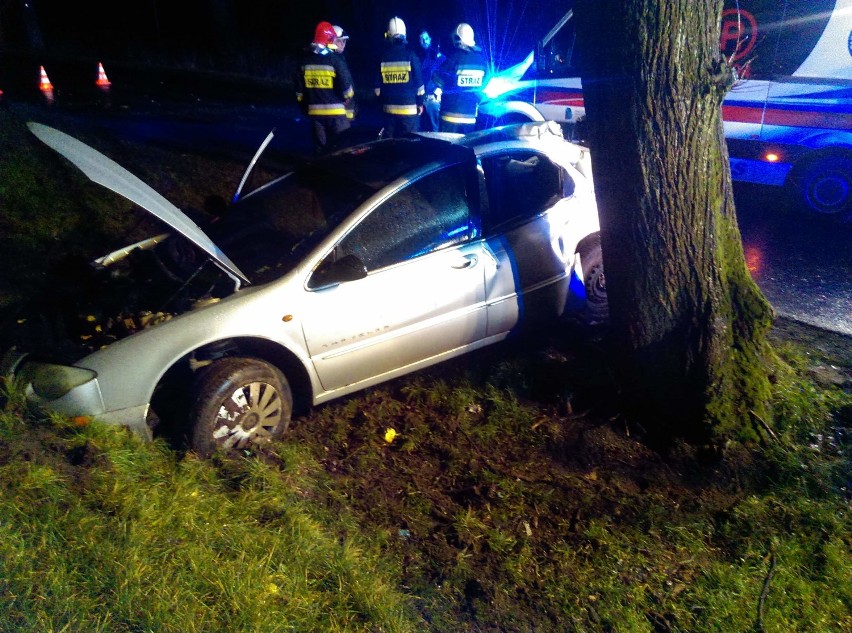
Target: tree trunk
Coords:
[(689, 323)]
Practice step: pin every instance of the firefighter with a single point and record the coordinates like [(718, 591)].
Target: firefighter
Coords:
[(400, 84), (459, 81), (324, 88), (341, 37)]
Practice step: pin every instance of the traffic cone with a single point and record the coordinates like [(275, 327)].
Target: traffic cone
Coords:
[(46, 86), (44, 82), (102, 81)]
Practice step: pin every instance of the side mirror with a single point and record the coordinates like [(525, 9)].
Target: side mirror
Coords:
[(330, 273)]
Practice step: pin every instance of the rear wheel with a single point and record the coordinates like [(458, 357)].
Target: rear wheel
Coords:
[(596, 309), (824, 186), (239, 403)]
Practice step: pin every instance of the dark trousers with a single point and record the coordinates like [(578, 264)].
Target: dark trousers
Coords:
[(327, 130), (396, 125)]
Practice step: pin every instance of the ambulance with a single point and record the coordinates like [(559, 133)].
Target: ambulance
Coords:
[(787, 118)]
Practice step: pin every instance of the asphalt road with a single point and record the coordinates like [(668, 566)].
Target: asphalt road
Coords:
[(802, 263)]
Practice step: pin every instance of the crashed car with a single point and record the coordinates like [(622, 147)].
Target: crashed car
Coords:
[(347, 271)]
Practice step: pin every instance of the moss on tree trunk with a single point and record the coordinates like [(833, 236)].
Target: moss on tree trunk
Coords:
[(689, 323)]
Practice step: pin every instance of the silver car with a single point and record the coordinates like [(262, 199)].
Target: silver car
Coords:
[(345, 272)]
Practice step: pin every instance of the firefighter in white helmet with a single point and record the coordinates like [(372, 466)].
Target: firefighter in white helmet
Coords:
[(399, 85), (341, 37), (460, 80)]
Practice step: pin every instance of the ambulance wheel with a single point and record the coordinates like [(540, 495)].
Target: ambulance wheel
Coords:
[(824, 186)]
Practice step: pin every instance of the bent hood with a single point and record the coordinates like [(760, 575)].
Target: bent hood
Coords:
[(111, 175)]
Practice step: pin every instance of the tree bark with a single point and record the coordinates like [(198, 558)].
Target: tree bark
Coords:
[(689, 323)]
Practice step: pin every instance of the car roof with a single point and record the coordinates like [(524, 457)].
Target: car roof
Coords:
[(517, 132), (379, 163)]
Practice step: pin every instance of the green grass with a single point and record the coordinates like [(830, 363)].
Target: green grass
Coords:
[(99, 532)]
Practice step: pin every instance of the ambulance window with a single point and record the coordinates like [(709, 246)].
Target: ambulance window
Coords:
[(559, 59)]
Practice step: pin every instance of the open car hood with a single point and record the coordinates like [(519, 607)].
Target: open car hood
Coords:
[(111, 175)]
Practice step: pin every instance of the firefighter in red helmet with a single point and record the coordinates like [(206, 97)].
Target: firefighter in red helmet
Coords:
[(324, 88)]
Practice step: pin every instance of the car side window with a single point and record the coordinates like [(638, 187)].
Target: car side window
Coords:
[(521, 185), (425, 216)]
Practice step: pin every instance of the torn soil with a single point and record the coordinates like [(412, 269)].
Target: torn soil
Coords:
[(509, 470)]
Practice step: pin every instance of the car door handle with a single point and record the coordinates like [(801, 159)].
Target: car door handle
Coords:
[(467, 261)]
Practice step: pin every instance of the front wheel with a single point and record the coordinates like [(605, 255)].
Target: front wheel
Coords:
[(239, 403), (824, 186)]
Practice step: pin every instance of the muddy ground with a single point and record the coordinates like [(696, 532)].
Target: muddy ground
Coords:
[(538, 473)]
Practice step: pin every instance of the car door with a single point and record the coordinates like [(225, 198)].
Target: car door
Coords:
[(423, 295), (525, 219)]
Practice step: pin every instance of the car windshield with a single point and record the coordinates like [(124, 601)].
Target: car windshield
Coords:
[(267, 232)]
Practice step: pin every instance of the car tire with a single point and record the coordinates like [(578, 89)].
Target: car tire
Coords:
[(239, 403), (824, 187), (596, 309)]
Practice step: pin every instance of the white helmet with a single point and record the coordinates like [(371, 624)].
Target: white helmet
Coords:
[(396, 28), (464, 35)]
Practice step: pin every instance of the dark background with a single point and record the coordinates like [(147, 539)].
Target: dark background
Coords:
[(257, 37)]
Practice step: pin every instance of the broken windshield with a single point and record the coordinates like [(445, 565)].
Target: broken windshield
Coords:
[(267, 232)]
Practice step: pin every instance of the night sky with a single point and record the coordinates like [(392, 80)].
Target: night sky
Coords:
[(255, 36)]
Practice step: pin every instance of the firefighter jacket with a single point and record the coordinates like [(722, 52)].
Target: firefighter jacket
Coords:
[(461, 77), (400, 84), (324, 84)]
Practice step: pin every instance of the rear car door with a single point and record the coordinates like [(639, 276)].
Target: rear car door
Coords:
[(423, 296), (525, 215)]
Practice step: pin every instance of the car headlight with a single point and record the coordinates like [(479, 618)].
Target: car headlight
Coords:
[(50, 381)]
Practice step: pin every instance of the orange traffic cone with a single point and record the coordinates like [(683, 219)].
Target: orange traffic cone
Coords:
[(45, 84), (102, 81)]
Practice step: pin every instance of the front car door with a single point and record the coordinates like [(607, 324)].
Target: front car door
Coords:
[(423, 297)]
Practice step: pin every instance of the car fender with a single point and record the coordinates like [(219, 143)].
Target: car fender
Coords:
[(130, 369)]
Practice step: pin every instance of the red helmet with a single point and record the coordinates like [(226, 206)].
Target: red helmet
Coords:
[(324, 34)]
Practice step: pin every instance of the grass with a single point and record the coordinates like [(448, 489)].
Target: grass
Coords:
[(513, 495), (99, 532)]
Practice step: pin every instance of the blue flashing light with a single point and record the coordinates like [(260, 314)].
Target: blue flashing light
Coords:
[(507, 80)]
